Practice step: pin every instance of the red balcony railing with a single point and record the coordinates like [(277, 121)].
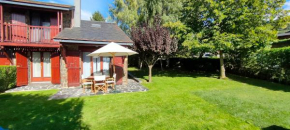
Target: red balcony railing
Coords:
[(29, 34)]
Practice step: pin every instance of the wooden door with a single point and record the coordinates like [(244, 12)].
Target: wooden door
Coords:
[(119, 63), (55, 68), (73, 68), (22, 69)]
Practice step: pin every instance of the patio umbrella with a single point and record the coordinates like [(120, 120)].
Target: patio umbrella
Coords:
[(112, 50)]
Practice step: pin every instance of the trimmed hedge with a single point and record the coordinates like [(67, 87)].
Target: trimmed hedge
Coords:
[(7, 77), (273, 65), (187, 64), (194, 64)]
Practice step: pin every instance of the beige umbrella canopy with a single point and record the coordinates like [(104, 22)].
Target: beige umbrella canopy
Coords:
[(112, 50)]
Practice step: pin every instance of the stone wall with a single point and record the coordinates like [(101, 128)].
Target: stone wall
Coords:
[(63, 70), (67, 16), (7, 15)]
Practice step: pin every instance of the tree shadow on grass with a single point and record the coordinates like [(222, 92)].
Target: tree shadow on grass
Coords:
[(33, 111), (170, 73), (260, 83), (274, 127)]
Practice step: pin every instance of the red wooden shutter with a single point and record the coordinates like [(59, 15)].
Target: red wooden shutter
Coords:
[(22, 69), (73, 68), (55, 68), (119, 63), (3, 59)]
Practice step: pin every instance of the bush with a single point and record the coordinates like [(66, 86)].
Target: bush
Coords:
[(195, 64), (271, 65), (7, 77)]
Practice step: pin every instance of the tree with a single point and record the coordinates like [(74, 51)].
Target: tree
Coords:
[(129, 13), (232, 25), (97, 16), (151, 42)]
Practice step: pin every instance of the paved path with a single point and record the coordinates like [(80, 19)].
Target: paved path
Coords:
[(34, 87), (63, 93), (132, 86)]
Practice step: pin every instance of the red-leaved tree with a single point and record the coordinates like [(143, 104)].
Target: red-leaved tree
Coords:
[(152, 42)]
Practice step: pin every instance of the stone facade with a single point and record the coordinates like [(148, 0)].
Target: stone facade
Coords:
[(7, 15), (67, 16), (63, 71)]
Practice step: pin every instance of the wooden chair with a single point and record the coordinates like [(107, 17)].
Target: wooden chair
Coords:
[(86, 83), (111, 81), (100, 83)]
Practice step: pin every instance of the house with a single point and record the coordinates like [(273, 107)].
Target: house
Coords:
[(283, 40), (49, 42)]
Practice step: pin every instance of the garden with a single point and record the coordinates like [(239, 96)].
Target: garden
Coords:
[(175, 100)]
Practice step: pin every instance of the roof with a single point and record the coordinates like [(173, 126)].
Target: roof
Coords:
[(96, 32), (39, 4), (284, 34)]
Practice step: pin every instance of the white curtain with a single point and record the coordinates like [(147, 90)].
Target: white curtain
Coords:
[(99, 64), (46, 64), (106, 65), (36, 64), (86, 64)]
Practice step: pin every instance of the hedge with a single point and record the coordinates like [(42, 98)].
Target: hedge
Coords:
[(7, 77), (271, 65), (187, 64)]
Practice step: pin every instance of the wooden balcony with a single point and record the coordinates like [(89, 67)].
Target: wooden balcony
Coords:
[(28, 35)]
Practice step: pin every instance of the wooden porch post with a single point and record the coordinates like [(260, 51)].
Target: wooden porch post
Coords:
[(1, 22), (125, 69)]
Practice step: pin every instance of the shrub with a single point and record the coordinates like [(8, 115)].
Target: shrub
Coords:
[(7, 77), (271, 65)]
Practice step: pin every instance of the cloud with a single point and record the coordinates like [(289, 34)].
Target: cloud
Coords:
[(287, 5), (52, 1), (86, 15)]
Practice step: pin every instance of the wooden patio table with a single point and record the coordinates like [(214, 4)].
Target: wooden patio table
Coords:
[(91, 78)]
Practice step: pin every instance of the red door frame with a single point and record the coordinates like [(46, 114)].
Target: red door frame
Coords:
[(22, 69), (42, 78)]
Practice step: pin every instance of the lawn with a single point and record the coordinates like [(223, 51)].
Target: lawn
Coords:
[(175, 100)]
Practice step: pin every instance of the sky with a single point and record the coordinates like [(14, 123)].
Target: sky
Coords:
[(90, 6)]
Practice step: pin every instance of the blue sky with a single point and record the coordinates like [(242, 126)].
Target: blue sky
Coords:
[(90, 6)]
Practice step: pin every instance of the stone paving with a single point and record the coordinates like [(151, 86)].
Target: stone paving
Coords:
[(35, 87), (133, 86)]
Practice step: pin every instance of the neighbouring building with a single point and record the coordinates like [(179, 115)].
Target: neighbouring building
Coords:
[(284, 40), (49, 42)]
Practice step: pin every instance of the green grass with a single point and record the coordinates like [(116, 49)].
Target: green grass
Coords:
[(176, 100)]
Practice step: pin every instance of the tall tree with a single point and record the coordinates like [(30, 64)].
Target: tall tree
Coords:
[(152, 42), (229, 25), (97, 16), (129, 13)]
